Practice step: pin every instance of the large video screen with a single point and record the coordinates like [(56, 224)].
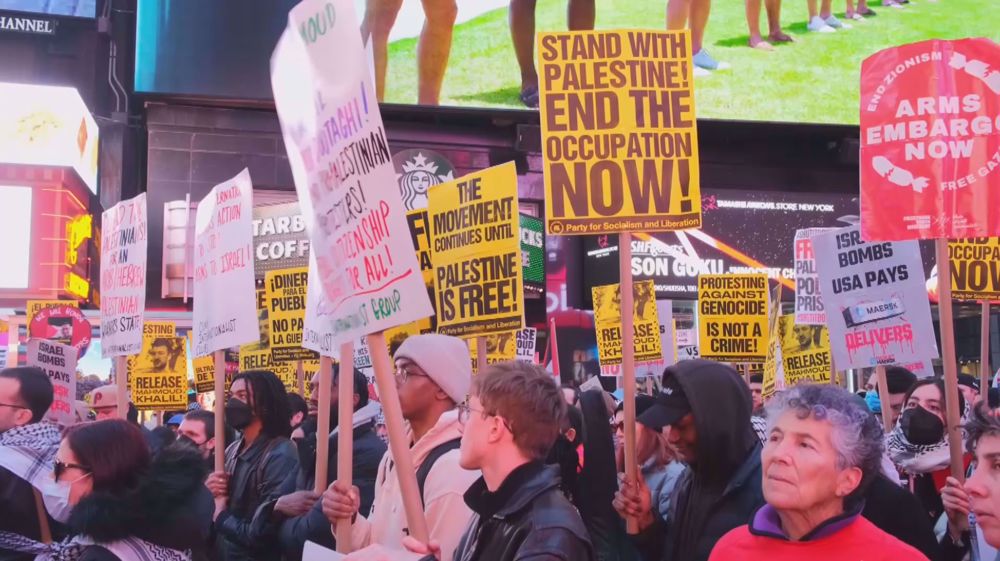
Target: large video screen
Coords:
[(76, 8), (486, 58), (742, 232)]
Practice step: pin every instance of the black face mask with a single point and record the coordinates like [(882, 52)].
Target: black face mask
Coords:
[(921, 427), (238, 414)]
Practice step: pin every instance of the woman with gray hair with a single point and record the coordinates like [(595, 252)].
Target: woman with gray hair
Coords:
[(823, 450)]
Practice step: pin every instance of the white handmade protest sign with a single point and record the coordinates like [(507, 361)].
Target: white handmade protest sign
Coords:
[(878, 312), (809, 308), (526, 339), (225, 309), (123, 277), (343, 172), (318, 328), (59, 362), (665, 316)]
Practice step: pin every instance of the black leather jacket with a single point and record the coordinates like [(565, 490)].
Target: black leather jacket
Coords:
[(255, 477), (527, 517)]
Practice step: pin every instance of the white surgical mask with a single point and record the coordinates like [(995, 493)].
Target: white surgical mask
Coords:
[(55, 495)]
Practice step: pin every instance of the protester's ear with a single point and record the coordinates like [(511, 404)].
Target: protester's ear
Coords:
[(210, 443), (571, 434)]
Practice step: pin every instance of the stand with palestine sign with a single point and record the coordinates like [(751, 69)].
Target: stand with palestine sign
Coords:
[(620, 151), (930, 164)]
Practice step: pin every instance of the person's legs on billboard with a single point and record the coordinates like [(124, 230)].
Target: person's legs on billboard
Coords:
[(774, 32), (678, 14), (434, 47), (380, 15), (818, 15), (753, 23), (699, 21), (521, 16), (580, 15), (864, 10)]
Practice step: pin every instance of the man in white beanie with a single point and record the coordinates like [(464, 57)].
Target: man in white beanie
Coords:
[(433, 375)]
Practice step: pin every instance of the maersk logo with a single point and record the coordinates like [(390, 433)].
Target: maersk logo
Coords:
[(27, 25)]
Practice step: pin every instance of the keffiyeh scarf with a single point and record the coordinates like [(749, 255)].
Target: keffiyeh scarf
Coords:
[(71, 549), (918, 458), (30, 450)]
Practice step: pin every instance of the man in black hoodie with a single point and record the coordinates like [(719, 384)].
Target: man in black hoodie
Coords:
[(706, 406)]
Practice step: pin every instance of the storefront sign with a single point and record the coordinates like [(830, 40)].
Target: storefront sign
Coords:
[(930, 141), (878, 312), (280, 240), (417, 170), (476, 252), (34, 26), (533, 251), (620, 147)]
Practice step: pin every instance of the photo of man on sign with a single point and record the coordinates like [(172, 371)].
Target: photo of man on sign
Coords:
[(802, 337)]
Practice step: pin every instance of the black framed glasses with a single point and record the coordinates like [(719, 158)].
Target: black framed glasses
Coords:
[(465, 411), (60, 467), (12, 406), (405, 372)]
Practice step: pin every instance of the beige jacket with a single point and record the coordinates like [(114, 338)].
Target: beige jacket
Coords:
[(445, 509)]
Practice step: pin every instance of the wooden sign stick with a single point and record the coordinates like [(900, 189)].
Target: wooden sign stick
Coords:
[(883, 397), (948, 359), (481, 354), (399, 444), (121, 381), (220, 410), (984, 353), (628, 363), (345, 436), (554, 349), (324, 384)]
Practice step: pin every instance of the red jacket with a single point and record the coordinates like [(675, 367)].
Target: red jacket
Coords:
[(849, 538)]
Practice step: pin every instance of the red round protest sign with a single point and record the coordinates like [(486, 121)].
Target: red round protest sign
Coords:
[(64, 324), (930, 141)]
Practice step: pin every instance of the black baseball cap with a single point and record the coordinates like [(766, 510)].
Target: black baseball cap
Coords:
[(670, 406), (968, 381)]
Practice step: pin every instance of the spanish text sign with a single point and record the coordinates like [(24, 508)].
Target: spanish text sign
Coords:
[(286, 291), (123, 277), (619, 138), (975, 268), (476, 252), (930, 141), (343, 171), (646, 342), (223, 267), (877, 307), (732, 317)]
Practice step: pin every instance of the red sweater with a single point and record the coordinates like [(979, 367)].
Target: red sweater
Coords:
[(858, 541)]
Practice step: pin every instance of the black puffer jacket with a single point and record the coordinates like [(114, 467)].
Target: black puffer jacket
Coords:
[(171, 508), (527, 517), (255, 477)]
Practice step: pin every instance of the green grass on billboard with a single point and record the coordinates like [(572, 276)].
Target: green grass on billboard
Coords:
[(813, 80)]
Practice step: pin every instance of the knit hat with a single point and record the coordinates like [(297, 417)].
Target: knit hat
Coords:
[(444, 359)]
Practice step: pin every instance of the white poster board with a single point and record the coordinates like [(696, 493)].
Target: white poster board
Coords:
[(877, 307), (59, 362), (809, 309), (318, 326), (124, 240), (526, 340), (665, 314), (225, 307), (343, 172)]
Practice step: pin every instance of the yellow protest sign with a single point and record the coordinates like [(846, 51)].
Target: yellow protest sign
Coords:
[(285, 295), (805, 352), (608, 323), (500, 347), (204, 369), (732, 317), (309, 369), (975, 268), (35, 306), (772, 363), (151, 332), (263, 325), (158, 377), (420, 234), (619, 139), (252, 358), (476, 253)]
